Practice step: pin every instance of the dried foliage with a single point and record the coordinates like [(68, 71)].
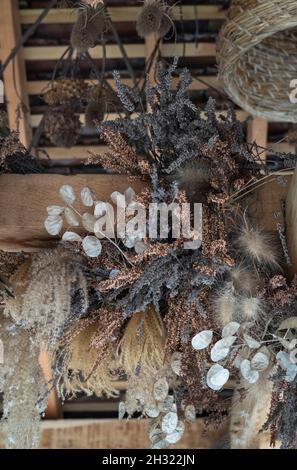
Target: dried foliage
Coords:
[(14, 158), (177, 322)]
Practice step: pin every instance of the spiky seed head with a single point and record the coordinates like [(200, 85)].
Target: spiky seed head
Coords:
[(150, 18), (90, 24)]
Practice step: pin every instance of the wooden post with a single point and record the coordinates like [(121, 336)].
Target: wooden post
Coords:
[(150, 45), (291, 223), (258, 132), (15, 83), (53, 410)]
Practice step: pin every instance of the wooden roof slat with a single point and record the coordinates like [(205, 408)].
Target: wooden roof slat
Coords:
[(125, 14), (134, 51)]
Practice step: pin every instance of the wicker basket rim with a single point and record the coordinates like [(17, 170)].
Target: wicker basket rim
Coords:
[(235, 51)]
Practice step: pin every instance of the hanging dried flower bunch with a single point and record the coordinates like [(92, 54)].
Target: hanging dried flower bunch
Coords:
[(177, 322), (14, 158), (62, 126)]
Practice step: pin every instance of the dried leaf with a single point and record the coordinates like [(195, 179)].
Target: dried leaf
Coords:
[(260, 361), (219, 351), (55, 210), (152, 410), (71, 237), (251, 342), (129, 195), (86, 197), (118, 199), (190, 413), (100, 209), (202, 340), (169, 422), (177, 434), (67, 194), (230, 329), (92, 246), (251, 376), (88, 221), (122, 410), (217, 376), (71, 217), (53, 224), (161, 389), (175, 362)]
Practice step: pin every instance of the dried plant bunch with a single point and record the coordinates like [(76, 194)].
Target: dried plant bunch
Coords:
[(90, 24), (62, 126), (154, 17), (65, 90), (44, 288), (23, 386)]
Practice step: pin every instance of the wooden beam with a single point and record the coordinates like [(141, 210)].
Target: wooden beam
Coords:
[(38, 87), (24, 199), (134, 51), (124, 434), (23, 211), (36, 118), (81, 153), (124, 14), (15, 73)]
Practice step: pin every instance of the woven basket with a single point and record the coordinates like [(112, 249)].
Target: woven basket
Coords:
[(257, 57)]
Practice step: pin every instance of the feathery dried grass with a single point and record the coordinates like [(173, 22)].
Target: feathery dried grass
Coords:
[(141, 349), (23, 386), (44, 286), (225, 307), (257, 246)]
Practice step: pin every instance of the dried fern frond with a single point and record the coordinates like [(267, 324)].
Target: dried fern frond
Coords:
[(141, 348), (44, 287)]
